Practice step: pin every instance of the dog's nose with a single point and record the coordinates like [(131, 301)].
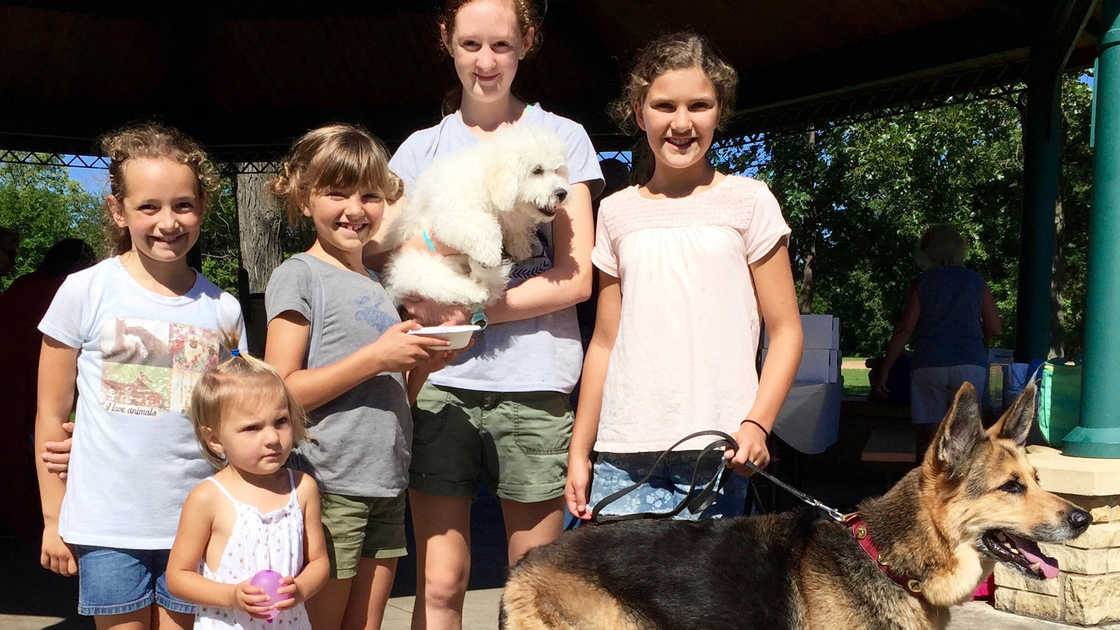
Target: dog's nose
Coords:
[(561, 194), (1079, 519)]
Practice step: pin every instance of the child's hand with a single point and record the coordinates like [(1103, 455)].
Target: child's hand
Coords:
[(289, 586), (57, 454), (576, 488), (56, 555), (249, 598), (752, 447), (443, 358), (399, 351), (432, 313)]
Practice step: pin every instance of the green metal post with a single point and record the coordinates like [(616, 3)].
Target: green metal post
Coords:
[(1099, 433), (1041, 134)]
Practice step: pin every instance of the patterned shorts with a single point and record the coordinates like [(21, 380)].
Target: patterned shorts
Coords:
[(667, 487)]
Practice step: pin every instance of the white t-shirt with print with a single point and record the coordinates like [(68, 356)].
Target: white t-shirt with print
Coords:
[(135, 456)]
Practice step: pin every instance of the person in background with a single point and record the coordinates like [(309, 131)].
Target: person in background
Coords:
[(9, 246), (21, 308), (949, 312)]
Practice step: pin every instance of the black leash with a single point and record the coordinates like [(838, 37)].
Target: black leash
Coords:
[(707, 494)]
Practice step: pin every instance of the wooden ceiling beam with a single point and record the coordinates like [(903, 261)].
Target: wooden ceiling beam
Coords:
[(227, 10)]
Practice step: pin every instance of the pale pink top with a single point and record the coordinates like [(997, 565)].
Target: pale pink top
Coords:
[(684, 357)]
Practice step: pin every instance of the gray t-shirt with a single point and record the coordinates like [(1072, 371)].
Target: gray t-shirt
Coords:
[(362, 439), (538, 354)]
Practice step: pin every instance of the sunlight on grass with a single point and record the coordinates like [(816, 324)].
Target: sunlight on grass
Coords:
[(855, 379)]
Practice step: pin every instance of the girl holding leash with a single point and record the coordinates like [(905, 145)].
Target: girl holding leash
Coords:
[(336, 339), (254, 514), (133, 334), (500, 414), (688, 260)]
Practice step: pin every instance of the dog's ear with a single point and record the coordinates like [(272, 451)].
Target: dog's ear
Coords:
[(958, 434), (502, 179), (1015, 424)]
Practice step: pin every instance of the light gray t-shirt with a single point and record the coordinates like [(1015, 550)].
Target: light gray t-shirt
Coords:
[(538, 354), (362, 439)]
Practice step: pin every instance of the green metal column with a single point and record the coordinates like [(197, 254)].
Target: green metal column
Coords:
[(1041, 135), (1099, 433)]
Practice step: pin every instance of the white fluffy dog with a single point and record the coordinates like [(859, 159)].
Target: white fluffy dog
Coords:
[(484, 202)]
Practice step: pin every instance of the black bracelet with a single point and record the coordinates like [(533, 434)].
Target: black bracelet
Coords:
[(764, 431)]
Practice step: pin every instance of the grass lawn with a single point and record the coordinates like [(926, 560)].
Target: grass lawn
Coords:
[(856, 381)]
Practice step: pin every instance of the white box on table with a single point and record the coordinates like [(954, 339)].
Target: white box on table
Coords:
[(818, 331), (818, 365)]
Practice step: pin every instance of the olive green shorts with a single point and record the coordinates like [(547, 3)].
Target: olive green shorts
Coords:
[(361, 527), (516, 442)]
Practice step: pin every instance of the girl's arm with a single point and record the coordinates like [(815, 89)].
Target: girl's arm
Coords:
[(773, 281), (989, 315), (902, 333), (394, 351), (183, 580), (317, 566), (586, 426), (58, 374), (566, 284)]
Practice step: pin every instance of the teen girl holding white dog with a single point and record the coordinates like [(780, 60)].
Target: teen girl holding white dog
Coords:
[(132, 334), (501, 413), (687, 260), (335, 337)]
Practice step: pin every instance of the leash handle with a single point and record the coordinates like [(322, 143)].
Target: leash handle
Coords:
[(698, 503), (707, 493)]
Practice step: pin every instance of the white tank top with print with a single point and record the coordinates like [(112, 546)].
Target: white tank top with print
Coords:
[(258, 541)]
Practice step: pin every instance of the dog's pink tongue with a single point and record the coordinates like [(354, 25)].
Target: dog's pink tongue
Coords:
[(1031, 552)]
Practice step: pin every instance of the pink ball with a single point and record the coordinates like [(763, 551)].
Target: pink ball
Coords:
[(270, 581)]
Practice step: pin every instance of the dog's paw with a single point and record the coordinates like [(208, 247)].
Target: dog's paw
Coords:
[(519, 249)]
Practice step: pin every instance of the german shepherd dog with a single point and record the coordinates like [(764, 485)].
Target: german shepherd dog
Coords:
[(973, 502)]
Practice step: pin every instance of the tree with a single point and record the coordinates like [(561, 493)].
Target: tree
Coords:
[(858, 196), (45, 206)]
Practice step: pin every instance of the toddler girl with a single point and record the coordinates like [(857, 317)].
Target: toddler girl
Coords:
[(133, 334), (335, 337), (687, 260), (254, 514)]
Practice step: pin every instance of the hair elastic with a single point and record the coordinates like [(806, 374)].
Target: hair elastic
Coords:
[(235, 352), (764, 431)]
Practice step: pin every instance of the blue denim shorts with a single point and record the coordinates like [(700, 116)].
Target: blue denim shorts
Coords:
[(667, 487), (118, 581)]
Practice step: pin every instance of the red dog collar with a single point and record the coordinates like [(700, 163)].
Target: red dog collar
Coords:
[(863, 537)]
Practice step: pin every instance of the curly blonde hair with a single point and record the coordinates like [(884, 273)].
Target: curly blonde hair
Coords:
[(338, 155), (238, 380), (675, 51), (149, 140)]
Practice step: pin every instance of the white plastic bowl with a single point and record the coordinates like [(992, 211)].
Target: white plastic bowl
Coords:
[(459, 336)]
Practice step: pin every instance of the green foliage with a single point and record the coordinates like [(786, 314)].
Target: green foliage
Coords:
[(858, 197), (220, 247), (44, 205)]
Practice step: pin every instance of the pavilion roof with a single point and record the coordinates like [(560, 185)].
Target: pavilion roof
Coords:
[(246, 76)]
